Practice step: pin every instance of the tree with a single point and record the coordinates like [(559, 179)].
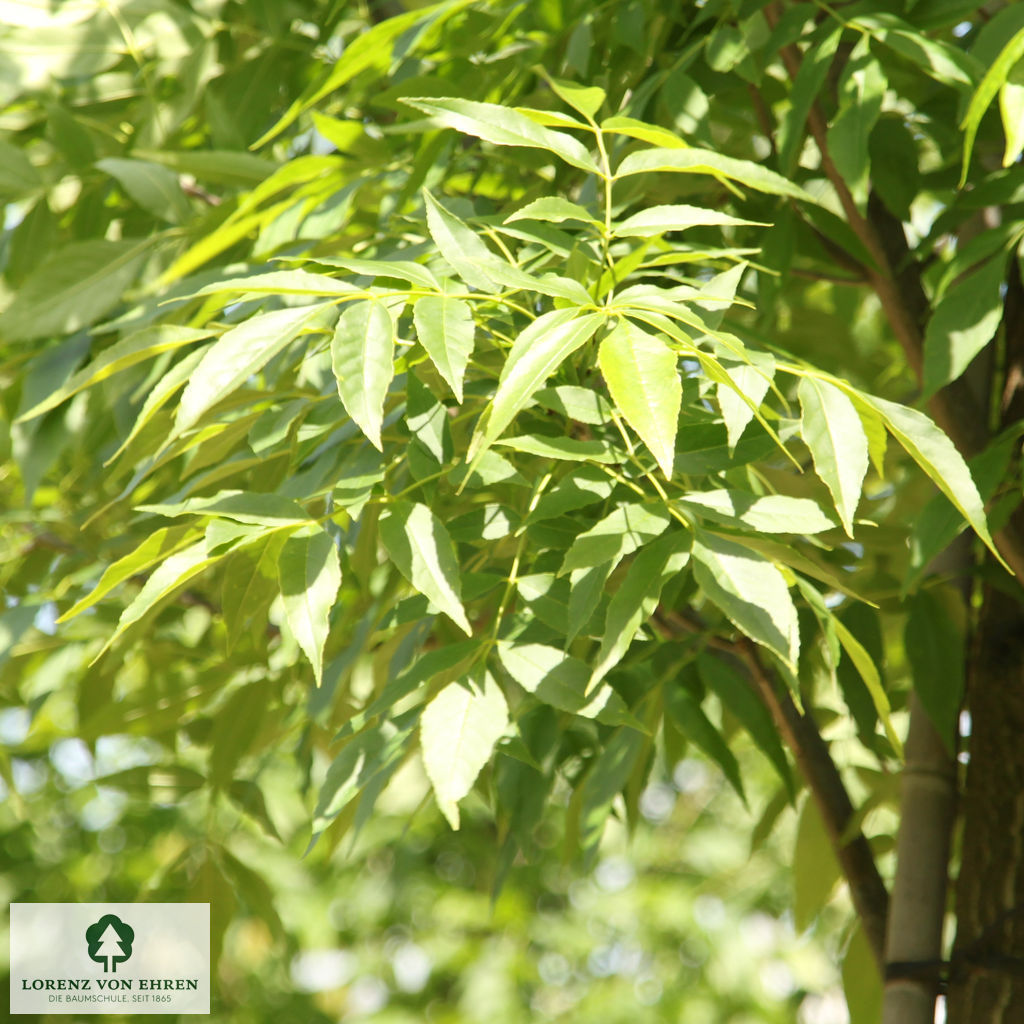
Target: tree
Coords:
[(540, 400), (110, 942)]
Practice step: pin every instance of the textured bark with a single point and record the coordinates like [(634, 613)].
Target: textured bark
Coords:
[(987, 971), (987, 983)]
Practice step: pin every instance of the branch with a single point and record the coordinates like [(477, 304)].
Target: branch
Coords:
[(896, 280), (800, 732)]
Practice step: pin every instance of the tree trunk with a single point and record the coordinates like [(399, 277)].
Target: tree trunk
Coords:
[(987, 982), (918, 904)]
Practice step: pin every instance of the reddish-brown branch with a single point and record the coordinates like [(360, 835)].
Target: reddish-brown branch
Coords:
[(800, 733)]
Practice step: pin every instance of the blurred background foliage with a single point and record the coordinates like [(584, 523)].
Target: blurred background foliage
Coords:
[(679, 922)]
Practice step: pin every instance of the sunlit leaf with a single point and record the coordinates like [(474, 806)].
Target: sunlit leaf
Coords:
[(964, 322), (458, 731), (419, 545), (636, 598), (237, 355), (362, 354), (705, 161), (750, 591), (995, 77), (444, 327), (618, 534), (641, 374), (937, 456), (310, 575), (504, 127), (656, 220), (833, 431), (535, 355)]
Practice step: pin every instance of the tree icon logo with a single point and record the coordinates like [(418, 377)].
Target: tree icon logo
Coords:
[(110, 942)]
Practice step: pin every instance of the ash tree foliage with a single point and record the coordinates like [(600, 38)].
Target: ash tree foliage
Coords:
[(529, 392)]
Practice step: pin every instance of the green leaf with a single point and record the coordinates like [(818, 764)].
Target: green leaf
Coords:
[(833, 432), (153, 187), (1011, 110), (868, 671), (444, 327), (607, 775), (564, 448), (935, 649), (740, 700), (368, 49), (862, 984), (815, 868), (535, 355), (656, 220), (635, 129), (179, 374), (250, 585), (419, 545), (404, 270), (636, 597), (235, 727), (641, 373), (18, 176), (247, 795), (814, 68), (270, 510), (941, 61), (583, 486), (750, 591), (894, 164), (458, 732), (688, 716), (362, 355), (136, 348), (703, 448), (238, 354), (936, 455), (705, 161), (157, 547), (586, 589), (216, 166), (461, 248), (437, 664), (345, 777), (554, 209), (752, 380), (560, 680), (770, 513), (504, 127), (995, 78), (587, 99), (863, 91), (73, 288), (483, 523), (310, 575), (618, 534), (939, 523), (280, 282), (964, 322), (575, 403), (173, 573)]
